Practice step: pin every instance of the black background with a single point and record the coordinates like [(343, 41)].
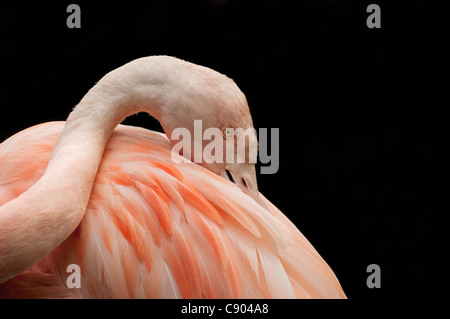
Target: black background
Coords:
[(362, 112)]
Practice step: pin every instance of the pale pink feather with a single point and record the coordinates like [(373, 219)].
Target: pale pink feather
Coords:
[(157, 229)]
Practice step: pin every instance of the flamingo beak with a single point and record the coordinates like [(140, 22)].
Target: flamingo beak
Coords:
[(244, 175)]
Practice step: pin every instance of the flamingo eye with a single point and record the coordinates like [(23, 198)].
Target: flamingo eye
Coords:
[(227, 132)]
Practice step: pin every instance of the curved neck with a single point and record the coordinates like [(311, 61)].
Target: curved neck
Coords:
[(37, 221)]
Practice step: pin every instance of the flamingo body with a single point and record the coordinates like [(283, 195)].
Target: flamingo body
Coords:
[(157, 229)]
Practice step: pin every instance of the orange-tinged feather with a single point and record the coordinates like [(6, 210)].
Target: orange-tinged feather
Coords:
[(150, 222), (106, 239), (143, 251), (235, 281), (129, 273), (113, 166), (121, 178), (213, 237), (161, 209), (185, 254), (178, 270), (123, 224), (169, 169), (191, 196)]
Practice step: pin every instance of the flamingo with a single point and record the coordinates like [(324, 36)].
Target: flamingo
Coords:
[(110, 198)]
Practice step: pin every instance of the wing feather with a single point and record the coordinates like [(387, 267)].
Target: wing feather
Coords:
[(157, 229)]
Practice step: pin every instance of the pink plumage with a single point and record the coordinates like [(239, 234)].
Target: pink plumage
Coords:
[(150, 227)]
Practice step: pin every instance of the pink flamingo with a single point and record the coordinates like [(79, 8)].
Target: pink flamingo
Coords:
[(110, 199)]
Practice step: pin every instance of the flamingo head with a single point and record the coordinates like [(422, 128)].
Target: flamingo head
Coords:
[(212, 108)]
